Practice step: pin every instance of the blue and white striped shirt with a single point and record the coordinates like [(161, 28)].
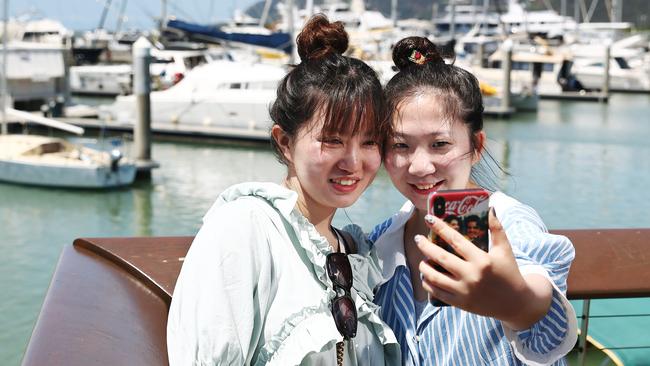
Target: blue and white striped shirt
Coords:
[(450, 336)]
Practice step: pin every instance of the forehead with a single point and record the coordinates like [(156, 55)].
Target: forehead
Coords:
[(332, 121), (427, 113)]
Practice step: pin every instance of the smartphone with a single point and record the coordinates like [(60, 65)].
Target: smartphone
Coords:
[(465, 210)]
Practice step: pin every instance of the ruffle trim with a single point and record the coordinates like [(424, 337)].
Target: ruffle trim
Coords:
[(300, 329)]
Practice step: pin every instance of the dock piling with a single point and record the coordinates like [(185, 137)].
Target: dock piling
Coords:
[(605, 91), (506, 66), (141, 89)]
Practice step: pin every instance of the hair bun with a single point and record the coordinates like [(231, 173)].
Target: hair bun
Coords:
[(423, 49), (319, 37)]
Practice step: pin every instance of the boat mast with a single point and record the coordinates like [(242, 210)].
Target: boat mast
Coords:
[(3, 80), (120, 18), (163, 13), (617, 11), (107, 5), (265, 12)]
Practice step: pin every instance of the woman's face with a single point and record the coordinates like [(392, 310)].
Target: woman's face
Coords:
[(332, 171), (429, 151)]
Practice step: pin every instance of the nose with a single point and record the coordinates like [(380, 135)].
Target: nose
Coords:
[(421, 164), (351, 161)]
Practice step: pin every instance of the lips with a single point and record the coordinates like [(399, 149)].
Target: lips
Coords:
[(345, 185), (425, 188)]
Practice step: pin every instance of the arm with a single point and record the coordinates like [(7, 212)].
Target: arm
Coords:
[(521, 281), (220, 298)]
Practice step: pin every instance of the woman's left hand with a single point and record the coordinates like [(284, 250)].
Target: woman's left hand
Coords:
[(488, 284)]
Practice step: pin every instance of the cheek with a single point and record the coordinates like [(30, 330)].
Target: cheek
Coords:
[(394, 163), (373, 161)]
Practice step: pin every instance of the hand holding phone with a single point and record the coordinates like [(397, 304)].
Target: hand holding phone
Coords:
[(464, 210)]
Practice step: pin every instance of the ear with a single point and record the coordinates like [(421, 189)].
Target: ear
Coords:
[(480, 146), (283, 141)]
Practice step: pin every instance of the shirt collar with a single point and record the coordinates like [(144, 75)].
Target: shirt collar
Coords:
[(390, 245)]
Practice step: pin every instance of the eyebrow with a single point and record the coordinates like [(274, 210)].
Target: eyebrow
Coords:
[(432, 134)]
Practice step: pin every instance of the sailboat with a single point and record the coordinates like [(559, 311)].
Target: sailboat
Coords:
[(56, 162)]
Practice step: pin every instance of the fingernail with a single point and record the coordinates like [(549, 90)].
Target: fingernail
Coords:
[(418, 238), (430, 219)]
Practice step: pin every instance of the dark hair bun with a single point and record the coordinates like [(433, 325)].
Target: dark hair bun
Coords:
[(319, 37), (404, 49)]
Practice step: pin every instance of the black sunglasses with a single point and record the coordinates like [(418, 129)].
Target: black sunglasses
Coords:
[(342, 306)]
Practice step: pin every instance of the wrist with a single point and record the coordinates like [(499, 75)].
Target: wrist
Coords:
[(532, 302)]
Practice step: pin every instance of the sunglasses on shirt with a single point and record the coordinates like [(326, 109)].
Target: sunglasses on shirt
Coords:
[(342, 306)]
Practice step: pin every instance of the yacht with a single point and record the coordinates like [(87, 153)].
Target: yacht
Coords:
[(35, 74), (222, 93)]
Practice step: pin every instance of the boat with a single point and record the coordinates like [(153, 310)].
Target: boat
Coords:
[(215, 34), (547, 22), (109, 297), (629, 64), (222, 93), (167, 68), (35, 74), (56, 162)]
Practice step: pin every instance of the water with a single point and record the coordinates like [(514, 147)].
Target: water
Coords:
[(580, 164)]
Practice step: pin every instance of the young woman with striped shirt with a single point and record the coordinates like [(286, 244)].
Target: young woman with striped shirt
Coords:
[(507, 306)]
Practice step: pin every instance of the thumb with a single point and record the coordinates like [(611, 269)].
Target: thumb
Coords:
[(499, 238)]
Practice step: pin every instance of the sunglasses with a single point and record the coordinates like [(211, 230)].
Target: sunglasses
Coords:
[(342, 306)]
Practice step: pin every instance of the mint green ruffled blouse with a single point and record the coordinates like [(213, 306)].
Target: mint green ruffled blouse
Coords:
[(253, 289)]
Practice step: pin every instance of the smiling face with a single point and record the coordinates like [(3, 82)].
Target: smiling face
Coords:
[(330, 171), (429, 152)]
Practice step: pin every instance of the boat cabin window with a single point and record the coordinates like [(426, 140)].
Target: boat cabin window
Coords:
[(156, 60), (194, 61), (236, 86), (622, 63)]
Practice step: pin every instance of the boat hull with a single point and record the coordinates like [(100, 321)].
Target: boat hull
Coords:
[(93, 177)]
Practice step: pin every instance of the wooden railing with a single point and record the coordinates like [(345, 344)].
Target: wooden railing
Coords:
[(108, 300)]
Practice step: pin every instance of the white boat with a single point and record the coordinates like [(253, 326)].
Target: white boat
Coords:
[(629, 64), (549, 22), (167, 68), (101, 79), (55, 162), (35, 74), (221, 93)]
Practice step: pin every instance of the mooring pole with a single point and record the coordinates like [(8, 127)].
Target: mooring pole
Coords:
[(142, 88), (506, 67)]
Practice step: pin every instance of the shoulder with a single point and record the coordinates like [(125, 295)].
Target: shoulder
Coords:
[(396, 221), (510, 210)]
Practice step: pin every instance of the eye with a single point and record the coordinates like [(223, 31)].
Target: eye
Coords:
[(400, 146), (439, 144), (331, 140), (370, 143)]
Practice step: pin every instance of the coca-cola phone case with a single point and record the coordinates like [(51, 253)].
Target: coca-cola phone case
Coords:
[(466, 210)]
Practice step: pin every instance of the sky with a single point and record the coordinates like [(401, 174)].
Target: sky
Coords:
[(86, 14)]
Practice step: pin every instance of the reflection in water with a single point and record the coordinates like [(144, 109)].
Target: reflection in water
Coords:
[(142, 211)]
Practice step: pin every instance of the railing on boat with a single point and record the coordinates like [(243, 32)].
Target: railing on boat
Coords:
[(108, 300)]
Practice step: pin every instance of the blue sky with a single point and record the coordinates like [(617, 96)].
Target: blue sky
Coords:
[(86, 14)]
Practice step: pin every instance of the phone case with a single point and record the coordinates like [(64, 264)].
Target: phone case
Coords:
[(466, 210)]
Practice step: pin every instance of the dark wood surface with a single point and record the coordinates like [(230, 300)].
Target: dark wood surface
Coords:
[(108, 300)]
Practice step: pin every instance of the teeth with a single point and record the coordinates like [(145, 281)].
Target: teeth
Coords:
[(345, 182), (424, 186)]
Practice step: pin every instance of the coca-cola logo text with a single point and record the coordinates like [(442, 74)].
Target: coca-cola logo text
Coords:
[(461, 208)]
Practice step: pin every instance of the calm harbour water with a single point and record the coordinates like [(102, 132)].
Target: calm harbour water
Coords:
[(580, 164)]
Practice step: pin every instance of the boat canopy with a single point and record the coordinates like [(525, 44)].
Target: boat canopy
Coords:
[(278, 40)]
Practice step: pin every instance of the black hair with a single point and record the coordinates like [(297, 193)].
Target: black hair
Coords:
[(422, 69), (345, 90)]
